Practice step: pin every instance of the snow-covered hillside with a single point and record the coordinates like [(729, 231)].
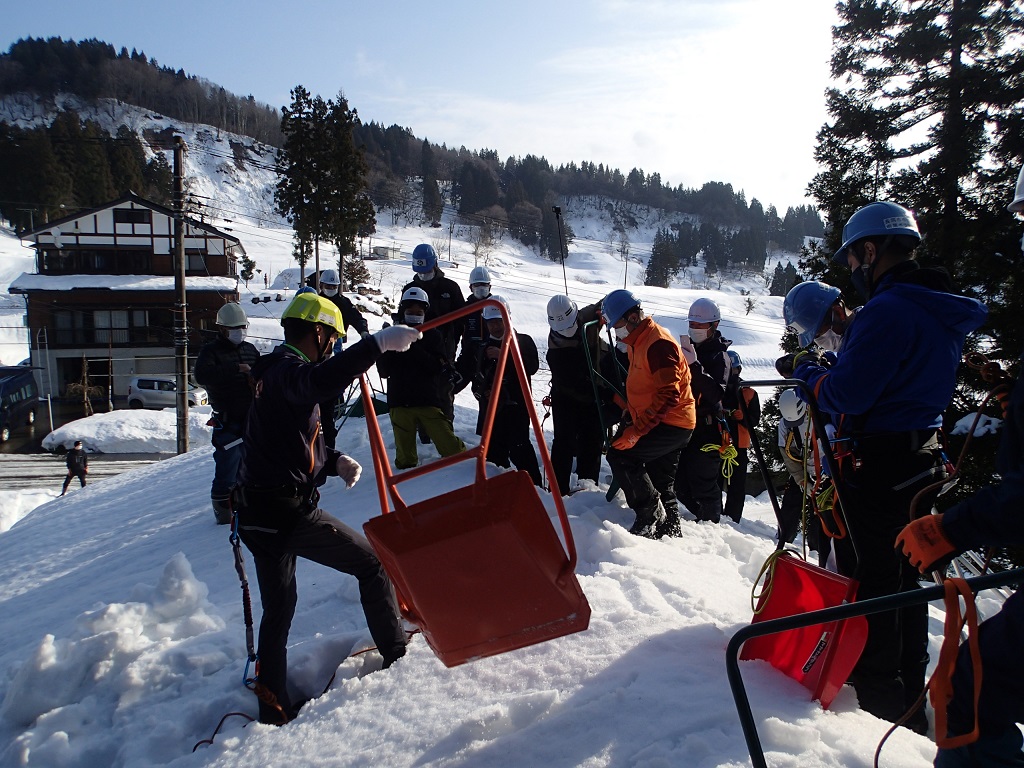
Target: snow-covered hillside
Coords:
[(123, 634)]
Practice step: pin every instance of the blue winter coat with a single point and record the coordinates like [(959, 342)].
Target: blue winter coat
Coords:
[(897, 368), (284, 442)]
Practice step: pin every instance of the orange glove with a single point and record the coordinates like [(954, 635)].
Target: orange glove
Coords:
[(925, 544), (627, 439)]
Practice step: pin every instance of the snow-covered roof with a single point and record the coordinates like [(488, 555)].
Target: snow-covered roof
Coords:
[(31, 282)]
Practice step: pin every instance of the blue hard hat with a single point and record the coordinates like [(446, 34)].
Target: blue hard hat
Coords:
[(305, 289), (424, 258), (616, 304), (877, 219), (735, 361), (805, 307)]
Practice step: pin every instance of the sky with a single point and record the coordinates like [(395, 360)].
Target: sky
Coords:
[(124, 638), (696, 90)]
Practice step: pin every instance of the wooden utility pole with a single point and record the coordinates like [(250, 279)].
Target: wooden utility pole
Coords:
[(180, 305)]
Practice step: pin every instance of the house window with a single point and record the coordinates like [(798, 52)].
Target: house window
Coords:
[(196, 260), (133, 216), (69, 327), (110, 326)]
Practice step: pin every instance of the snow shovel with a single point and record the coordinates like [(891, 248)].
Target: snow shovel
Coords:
[(820, 657), (481, 569)]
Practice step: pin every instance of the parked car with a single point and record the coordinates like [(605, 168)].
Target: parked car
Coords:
[(18, 399), (161, 392)]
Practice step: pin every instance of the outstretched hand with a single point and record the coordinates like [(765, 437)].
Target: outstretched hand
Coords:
[(396, 338)]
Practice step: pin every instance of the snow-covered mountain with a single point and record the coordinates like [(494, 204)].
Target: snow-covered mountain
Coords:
[(123, 633)]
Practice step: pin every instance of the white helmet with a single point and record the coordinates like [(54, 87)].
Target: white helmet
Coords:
[(232, 316), (561, 312), (1017, 206), (793, 408), (416, 294), (491, 312), (479, 275), (704, 311), (329, 277)]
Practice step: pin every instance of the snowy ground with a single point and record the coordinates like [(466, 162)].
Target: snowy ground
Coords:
[(123, 632)]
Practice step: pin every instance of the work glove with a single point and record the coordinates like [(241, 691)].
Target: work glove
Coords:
[(396, 338), (787, 364), (689, 353), (925, 544), (629, 437), (364, 335), (349, 470)]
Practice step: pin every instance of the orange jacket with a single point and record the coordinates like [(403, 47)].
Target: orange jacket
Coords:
[(658, 384)]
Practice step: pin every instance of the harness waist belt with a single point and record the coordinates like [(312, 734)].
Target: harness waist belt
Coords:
[(912, 440)]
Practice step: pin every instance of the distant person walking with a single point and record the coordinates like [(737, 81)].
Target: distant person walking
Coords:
[(78, 466)]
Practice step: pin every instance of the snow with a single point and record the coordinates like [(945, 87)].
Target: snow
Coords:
[(124, 640), (32, 282)]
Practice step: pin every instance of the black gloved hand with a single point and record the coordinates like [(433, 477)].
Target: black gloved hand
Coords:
[(787, 364), (784, 365)]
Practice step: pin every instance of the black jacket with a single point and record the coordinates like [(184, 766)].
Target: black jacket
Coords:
[(709, 376), (445, 296), (567, 359), (77, 460), (230, 390), (284, 442), (416, 378), (511, 393)]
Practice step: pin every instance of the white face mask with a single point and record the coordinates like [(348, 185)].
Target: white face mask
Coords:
[(330, 290), (424, 276), (236, 335), (570, 331), (699, 335), (413, 319), (829, 341), (621, 333), (482, 291)]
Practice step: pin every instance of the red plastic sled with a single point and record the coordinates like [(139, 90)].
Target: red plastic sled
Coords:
[(820, 657), (480, 569)]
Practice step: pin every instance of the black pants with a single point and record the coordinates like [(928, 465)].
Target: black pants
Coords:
[(698, 473), (80, 474), (323, 539), (646, 472), (891, 672), (510, 440), (577, 434)]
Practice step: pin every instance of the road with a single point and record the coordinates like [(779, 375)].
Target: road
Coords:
[(23, 471)]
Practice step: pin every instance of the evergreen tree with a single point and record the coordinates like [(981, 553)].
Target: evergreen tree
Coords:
[(433, 203), (127, 161), (664, 263)]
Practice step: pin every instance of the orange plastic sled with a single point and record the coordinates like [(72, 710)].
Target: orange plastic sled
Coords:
[(820, 657), (480, 569)]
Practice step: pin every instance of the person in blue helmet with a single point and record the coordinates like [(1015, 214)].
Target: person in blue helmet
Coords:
[(818, 315), (991, 517), (276, 499), (658, 418), (885, 394), (444, 293)]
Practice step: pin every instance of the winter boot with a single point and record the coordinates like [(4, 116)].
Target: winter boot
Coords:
[(221, 511), (670, 526), (648, 520)]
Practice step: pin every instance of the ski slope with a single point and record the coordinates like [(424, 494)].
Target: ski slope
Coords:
[(124, 640)]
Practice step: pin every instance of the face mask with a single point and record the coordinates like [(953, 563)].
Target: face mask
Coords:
[(236, 335), (424, 276), (413, 319), (829, 341), (330, 291), (482, 291), (699, 335), (621, 333), (569, 332)]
